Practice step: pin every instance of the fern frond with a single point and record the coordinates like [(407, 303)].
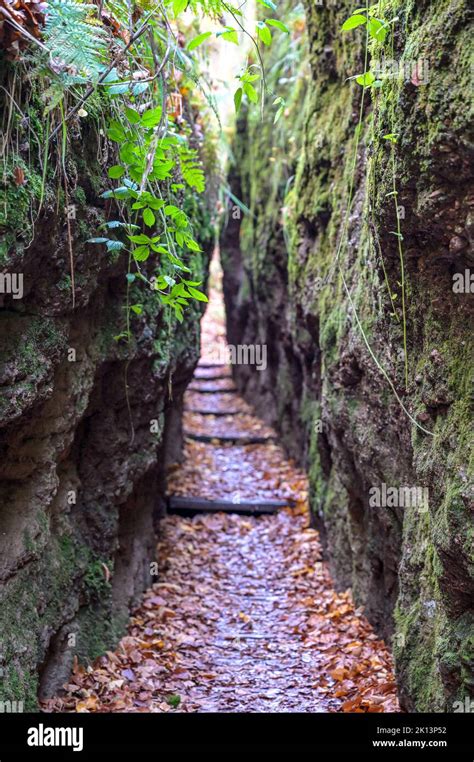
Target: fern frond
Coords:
[(191, 169), (74, 37)]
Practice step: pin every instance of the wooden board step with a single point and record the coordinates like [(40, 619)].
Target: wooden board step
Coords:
[(211, 365), (210, 390), (237, 440), (216, 412), (190, 506), (220, 377)]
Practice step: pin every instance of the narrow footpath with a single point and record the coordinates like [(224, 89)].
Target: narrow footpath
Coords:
[(244, 617)]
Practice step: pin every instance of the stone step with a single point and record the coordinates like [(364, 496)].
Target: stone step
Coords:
[(216, 412), (210, 390), (238, 439), (219, 377), (190, 506), (204, 364)]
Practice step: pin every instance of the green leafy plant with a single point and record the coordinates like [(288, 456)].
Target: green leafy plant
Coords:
[(191, 168), (173, 700), (101, 55), (154, 156), (77, 42), (376, 29), (247, 87), (146, 160)]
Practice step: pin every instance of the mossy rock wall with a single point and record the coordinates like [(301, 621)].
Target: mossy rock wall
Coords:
[(83, 417), (285, 286)]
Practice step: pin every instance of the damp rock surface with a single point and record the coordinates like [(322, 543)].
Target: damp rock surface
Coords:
[(287, 281)]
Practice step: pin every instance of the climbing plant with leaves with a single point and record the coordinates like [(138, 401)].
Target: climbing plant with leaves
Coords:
[(377, 29), (154, 225)]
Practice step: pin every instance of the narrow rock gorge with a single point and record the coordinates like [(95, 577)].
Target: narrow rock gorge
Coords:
[(293, 533)]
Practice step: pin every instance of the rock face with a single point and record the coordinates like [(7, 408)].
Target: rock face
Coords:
[(306, 274), (84, 418)]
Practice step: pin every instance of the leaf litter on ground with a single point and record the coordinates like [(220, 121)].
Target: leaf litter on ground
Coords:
[(244, 616)]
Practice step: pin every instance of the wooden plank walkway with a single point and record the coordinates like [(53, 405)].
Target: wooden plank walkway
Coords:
[(212, 429), (211, 390), (216, 412), (237, 440), (191, 506)]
